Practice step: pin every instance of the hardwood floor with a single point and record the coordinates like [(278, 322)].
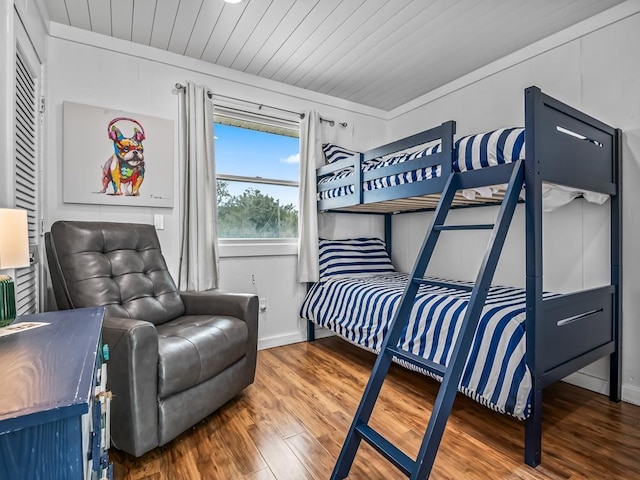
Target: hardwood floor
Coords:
[(291, 422)]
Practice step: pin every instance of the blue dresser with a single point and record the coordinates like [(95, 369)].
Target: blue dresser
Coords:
[(54, 407)]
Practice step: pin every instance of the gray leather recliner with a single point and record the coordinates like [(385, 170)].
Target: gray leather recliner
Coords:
[(175, 357)]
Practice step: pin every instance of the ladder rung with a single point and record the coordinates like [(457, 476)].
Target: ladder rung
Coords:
[(418, 361), (387, 449), (480, 226), (454, 286)]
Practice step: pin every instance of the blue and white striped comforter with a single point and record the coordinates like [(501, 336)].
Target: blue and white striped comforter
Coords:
[(470, 153), (360, 309)]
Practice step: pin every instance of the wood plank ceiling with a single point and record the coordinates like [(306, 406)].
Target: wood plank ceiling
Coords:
[(380, 53)]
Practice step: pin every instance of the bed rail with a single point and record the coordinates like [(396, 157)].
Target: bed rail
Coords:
[(441, 132), (571, 325), (345, 200), (444, 159)]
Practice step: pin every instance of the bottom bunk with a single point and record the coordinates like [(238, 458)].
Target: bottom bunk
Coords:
[(360, 309), (359, 293)]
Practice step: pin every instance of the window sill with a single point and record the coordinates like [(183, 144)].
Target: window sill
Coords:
[(247, 247)]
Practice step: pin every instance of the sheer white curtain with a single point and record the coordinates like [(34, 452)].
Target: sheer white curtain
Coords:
[(199, 229), (310, 159)]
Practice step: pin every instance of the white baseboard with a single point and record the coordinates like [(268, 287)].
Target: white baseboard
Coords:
[(296, 337), (630, 393), (589, 382)]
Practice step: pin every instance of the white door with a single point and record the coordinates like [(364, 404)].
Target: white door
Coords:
[(27, 126)]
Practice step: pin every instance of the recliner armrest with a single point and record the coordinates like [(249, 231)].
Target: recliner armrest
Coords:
[(133, 380), (239, 305)]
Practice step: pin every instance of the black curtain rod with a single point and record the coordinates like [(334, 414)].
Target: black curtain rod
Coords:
[(181, 88)]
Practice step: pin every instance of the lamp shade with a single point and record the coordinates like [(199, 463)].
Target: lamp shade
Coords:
[(14, 238)]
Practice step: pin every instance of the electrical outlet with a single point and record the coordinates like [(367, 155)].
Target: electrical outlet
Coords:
[(262, 302)]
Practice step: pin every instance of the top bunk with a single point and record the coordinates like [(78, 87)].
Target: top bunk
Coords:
[(567, 154)]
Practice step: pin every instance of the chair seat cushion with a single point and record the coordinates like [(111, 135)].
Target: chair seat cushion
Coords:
[(195, 348)]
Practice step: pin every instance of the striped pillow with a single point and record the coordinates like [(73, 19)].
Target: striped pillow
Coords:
[(333, 153), (473, 152), (416, 152), (353, 257)]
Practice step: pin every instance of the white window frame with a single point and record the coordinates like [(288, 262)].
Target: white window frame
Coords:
[(256, 247)]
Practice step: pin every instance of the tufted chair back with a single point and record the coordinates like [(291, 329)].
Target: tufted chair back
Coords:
[(116, 265)]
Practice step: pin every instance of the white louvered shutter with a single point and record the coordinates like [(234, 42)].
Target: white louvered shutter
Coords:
[(26, 174)]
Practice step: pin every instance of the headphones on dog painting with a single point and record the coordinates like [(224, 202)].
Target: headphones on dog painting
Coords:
[(138, 136)]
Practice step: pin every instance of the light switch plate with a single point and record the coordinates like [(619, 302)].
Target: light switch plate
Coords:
[(158, 222)]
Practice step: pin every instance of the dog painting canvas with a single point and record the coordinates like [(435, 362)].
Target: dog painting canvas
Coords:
[(117, 158), (126, 166)]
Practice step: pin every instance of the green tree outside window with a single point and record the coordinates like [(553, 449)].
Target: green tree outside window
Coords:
[(253, 214)]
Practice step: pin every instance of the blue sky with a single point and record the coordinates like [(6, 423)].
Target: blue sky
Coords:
[(240, 151)]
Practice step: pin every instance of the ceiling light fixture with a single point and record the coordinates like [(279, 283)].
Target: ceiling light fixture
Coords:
[(233, 1)]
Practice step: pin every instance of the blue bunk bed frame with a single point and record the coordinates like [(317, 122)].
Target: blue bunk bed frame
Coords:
[(564, 333)]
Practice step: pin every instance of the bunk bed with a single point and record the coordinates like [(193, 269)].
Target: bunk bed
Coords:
[(549, 336)]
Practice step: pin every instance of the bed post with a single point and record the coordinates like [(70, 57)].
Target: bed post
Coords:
[(311, 327), (387, 233), (615, 359), (533, 206), (311, 331)]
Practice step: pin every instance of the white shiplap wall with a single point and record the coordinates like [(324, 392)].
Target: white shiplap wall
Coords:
[(147, 88)]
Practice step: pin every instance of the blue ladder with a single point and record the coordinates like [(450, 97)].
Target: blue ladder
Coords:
[(420, 468)]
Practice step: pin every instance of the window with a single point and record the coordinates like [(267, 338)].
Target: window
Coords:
[(257, 164)]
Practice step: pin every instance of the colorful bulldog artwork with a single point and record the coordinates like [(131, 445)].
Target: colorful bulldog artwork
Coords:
[(106, 154), (124, 170)]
